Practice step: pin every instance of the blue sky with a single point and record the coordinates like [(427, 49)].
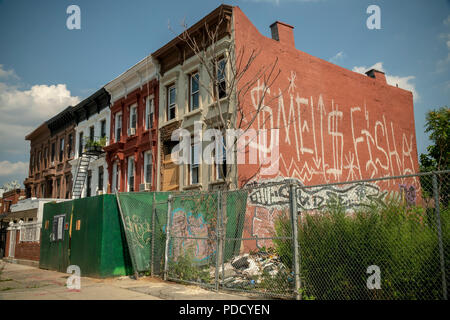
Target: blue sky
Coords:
[(44, 66)]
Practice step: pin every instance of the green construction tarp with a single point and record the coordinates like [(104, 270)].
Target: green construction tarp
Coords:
[(93, 237)]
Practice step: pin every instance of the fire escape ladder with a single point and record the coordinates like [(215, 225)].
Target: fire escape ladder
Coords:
[(81, 174)]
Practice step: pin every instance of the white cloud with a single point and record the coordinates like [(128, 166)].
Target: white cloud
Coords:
[(8, 168), (22, 111), (33, 106), (7, 74), (403, 82), (337, 57)]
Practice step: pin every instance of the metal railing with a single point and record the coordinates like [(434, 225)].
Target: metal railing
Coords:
[(30, 232)]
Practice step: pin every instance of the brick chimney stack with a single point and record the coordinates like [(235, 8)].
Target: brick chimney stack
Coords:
[(377, 75), (283, 32)]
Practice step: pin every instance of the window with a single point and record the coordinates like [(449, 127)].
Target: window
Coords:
[(69, 147), (194, 91), (61, 149), (220, 159), (148, 167), (53, 152), (194, 164), (88, 184), (45, 157), (130, 174), (149, 112), (100, 178), (91, 133), (58, 188), (171, 102), (133, 119), (103, 128), (67, 180), (32, 164), (118, 126), (80, 144), (221, 78), (116, 177), (39, 161)]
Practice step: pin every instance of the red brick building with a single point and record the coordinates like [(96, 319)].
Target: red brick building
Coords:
[(334, 124), (9, 198), (131, 154), (51, 148)]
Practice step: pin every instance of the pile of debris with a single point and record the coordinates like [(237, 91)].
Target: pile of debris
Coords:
[(248, 270)]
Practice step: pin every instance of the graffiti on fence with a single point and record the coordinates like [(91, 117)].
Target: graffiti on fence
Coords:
[(349, 197), (313, 198), (185, 227), (139, 231)]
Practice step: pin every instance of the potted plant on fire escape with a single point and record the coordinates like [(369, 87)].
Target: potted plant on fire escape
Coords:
[(95, 145)]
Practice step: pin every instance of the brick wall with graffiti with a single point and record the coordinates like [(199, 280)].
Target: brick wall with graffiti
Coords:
[(334, 125)]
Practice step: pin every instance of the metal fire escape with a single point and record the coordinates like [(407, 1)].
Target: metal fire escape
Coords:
[(91, 151)]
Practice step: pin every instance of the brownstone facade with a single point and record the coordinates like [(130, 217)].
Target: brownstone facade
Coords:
[(52, 146)]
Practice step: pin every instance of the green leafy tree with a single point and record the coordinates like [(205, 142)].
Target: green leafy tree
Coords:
[(438, 156), (438, 153)]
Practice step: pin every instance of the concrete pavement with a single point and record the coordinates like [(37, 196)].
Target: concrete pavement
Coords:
[(19, 282)]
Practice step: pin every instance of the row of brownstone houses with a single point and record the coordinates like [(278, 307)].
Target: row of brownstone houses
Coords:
[(331, 124)]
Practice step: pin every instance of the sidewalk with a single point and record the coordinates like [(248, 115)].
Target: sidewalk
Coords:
[(19, 282)]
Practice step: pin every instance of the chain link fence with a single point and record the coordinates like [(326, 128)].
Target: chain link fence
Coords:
[(385, 238)]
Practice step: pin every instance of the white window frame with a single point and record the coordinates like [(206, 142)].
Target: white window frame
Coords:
[(101, 122), (149, 113), (172, 105), (118, 125), (148, 161), (133, 110), (192, 93), (131, 172), (115, 177), (194, 163)]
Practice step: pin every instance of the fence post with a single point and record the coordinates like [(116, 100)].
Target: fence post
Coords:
[(438, 220), (166, 253), (218, 239), (152, 261), (296, 255)]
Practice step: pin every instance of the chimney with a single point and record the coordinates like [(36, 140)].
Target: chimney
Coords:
[(377, 75), (283, 33)]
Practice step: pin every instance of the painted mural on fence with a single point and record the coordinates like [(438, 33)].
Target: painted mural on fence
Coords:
[(186, 226)]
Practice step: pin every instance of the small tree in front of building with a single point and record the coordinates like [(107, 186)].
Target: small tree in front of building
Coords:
[(228, 84)]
